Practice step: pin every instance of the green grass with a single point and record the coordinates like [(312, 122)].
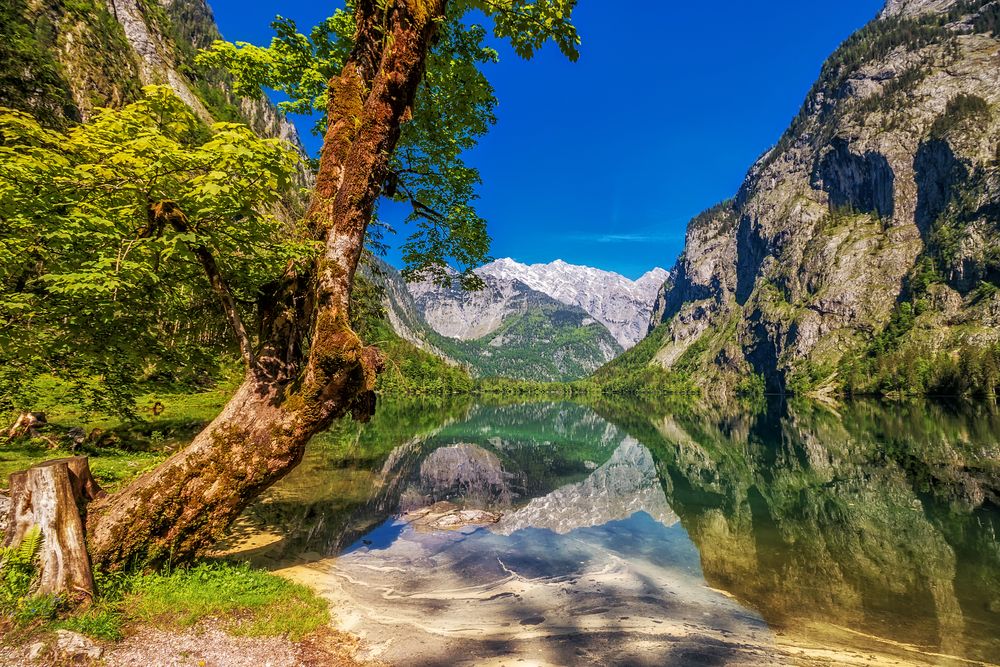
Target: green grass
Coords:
[(179, 409), (243, 601), (119, 451), (111, 467), (248, 602)]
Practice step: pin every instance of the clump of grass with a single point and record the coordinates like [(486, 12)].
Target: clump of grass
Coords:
[(102, 621), (243, 601), (248, 602)]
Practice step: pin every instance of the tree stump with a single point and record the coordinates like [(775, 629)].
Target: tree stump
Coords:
[(53, 496)]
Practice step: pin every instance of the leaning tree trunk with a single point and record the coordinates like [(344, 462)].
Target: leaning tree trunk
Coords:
[(294, 388)]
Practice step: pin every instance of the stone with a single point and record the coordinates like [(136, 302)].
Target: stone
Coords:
[(75, 647)]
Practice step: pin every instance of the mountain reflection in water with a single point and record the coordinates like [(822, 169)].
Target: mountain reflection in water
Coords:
[(764, 532)]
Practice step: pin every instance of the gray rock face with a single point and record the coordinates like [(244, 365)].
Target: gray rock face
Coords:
[(101, 66), (821, 243), (465, 315), (915, 7), (402, 312), (510, 330), (620, 304), (157, 61)]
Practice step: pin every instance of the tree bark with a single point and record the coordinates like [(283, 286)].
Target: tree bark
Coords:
[(50, 496), (312, 368)]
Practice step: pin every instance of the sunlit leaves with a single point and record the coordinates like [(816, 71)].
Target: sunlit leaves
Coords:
[(529, 24), (455, 107), (91, 286)]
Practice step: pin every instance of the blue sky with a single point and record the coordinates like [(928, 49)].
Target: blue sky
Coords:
[(603, 162)]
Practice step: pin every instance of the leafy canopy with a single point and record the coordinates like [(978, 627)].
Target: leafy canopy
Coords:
[(454, 108), (92, 291)]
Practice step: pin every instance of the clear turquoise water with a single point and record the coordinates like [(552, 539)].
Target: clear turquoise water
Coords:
[(868, 526)]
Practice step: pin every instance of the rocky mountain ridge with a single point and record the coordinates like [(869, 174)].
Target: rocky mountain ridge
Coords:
[(507, 329), (620, 304), (865, 247), (541, 322)]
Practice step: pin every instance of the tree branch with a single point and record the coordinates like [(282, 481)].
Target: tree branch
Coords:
[(169, 213)]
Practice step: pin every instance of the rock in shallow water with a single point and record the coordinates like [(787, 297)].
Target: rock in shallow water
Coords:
[(448, 516)]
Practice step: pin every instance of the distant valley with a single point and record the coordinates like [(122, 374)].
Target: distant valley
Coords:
[(542, 322)]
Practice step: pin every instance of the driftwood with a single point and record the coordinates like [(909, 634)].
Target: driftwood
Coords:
[(26, 425), (53, 496)]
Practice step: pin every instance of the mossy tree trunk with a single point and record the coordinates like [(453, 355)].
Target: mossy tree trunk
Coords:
[(310, 367)]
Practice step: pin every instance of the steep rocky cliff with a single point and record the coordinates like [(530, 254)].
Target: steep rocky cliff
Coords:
[(62, 60), (869, 237)]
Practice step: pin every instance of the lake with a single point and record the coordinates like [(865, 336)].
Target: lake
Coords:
[(453, 532)]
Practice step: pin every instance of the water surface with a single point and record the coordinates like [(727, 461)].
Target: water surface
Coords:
[(653, 534)]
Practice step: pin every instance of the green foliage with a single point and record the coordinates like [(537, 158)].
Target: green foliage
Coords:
[(807, 377), (18, 570), (250, 602), (724, 208), (753, 386), (410, 370), (26, 54), (454, 108), (636, 372), (900, 323), (961, 109), (91, 290), (545, 341), (914, 370)]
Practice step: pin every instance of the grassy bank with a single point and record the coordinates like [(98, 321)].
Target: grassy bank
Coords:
[(239, 600)]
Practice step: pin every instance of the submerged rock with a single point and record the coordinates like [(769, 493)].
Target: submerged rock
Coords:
[(448, 516), (467, 471)]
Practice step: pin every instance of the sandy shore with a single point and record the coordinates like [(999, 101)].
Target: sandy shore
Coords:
[(425, 598)]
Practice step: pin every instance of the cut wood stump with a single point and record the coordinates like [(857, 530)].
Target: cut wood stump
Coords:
[(53, 496)]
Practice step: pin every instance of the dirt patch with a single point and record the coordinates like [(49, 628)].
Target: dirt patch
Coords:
[(206, 645)]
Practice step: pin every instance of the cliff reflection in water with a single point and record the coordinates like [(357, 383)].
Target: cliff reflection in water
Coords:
[(841, 526), (874, 519)]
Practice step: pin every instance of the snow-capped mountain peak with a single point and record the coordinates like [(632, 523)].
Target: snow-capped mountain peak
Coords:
[(620, 304)]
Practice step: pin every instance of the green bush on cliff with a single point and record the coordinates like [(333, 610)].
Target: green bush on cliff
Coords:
[(961, 109)]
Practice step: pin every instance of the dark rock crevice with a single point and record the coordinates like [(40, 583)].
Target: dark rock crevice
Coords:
[(864, 183)]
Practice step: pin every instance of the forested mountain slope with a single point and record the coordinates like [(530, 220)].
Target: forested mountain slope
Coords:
[(510, 330), (59, 61)]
